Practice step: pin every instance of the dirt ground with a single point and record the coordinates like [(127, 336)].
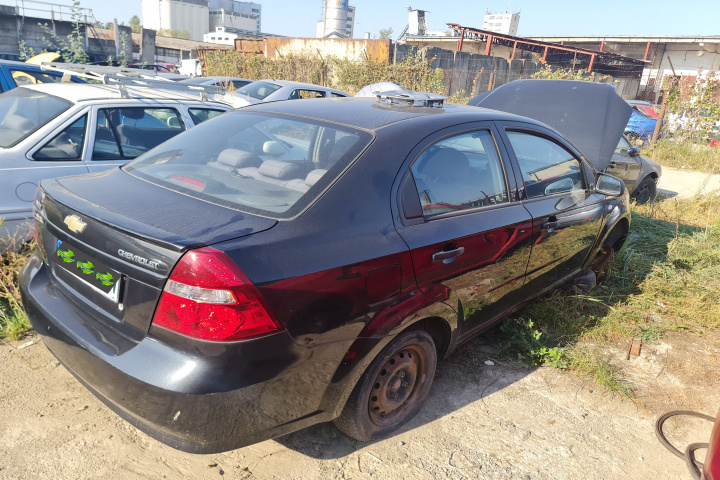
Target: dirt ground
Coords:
[(481, 421), (675, 182)]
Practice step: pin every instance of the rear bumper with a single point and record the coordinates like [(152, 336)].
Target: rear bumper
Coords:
[(202, 398)]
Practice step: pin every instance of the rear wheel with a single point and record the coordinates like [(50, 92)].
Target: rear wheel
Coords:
[(392, 389), (646, 191)]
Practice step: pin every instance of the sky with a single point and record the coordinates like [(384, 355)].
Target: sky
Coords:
[(298, 18)]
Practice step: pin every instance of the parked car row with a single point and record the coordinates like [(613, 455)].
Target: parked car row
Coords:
[(51, 130)]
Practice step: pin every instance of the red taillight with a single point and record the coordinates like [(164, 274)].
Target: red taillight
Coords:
[(208, 297)]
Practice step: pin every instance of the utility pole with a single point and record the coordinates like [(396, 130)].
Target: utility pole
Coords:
[(663, 108)]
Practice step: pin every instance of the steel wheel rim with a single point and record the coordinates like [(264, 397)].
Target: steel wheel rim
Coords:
[(397, 386), (643, 195)]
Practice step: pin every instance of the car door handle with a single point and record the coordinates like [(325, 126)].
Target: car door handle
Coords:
[(449, 256)]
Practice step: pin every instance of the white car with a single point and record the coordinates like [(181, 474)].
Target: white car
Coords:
[(55, 130), (276, 90)]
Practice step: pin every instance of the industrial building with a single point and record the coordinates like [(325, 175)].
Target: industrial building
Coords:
[(199, 17), (337, 20), (505, 23), (191, 16), (682, 56), (232, 14)]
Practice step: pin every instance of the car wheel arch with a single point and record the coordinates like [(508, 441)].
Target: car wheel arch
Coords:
[(364, 350), (617, 235)]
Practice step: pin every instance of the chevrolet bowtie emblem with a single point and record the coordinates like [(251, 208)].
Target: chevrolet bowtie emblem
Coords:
[(75, 223)]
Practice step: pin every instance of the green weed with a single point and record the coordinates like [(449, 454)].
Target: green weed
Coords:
[(13, 320), (666, 277), (685, 155)]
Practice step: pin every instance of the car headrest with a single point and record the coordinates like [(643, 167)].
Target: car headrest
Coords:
[(447, 164), (238, 158), (279, 169), (313, 177), (18, 123)]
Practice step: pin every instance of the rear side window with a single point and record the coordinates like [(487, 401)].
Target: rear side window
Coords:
[(303, 93), (270, 165), (547, 168), (124, 133), (459, 173)]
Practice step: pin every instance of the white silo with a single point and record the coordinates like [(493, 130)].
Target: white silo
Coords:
[(338, 19)]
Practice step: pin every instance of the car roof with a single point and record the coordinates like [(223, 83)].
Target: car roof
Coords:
[(84, 92), (367, 114), (287, 83), (209, 80), (24, 66)]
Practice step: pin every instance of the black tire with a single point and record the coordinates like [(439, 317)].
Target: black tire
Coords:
[(392, 389), (646, 191)]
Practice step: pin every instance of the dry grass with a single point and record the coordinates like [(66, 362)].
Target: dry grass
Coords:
[(666, 277), (13, 320), (686, 155)]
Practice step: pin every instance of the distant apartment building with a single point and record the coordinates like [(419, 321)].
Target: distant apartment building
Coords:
[(338, 20), (189, 15), (231, 14), (505, 23)]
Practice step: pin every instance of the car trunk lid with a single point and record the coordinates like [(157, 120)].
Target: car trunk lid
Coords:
[(111, 241)]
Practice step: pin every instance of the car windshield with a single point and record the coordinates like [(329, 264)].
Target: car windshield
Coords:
[(269, 165), (259, 90), (23, 111)]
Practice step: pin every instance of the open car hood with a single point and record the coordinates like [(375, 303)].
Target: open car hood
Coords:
[(591, 115)]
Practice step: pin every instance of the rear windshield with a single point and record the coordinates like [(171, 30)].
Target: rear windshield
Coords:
[(269, 165), (259, 90), (22, 111)]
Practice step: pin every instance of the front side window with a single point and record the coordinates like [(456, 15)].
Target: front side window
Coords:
[(547, 168), (66, 145), (125, 133), (266, 164), (623, 147), (23, 111), (459, 173)]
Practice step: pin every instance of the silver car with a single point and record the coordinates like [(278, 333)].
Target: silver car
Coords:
[(275, 90), (55, 130)]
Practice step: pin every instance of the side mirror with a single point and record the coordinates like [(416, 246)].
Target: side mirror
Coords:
[(609, 185), (634, 152), (559, 186)]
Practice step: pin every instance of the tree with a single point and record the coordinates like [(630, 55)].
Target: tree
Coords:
[(386, 33), (72, 46), (135, 24)]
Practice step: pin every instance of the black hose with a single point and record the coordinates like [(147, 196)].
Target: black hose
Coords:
[(693, 465)]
